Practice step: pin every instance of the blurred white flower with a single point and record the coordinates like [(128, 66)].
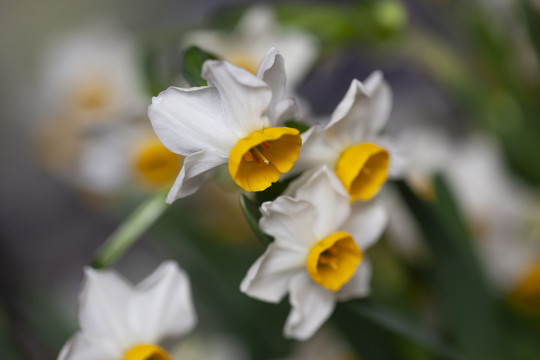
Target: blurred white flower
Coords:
[(350, 144), (121, 321), (318, 252), (325, 344), (95, 134), (210, 347), (92, 74), (233, 120), (120, 157), (255, 33), (502, 213)]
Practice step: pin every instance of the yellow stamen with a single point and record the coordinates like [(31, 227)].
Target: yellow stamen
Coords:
[(363, 169), (92, 95), (146, 352), (333, 261), (154, 164), (259, 159)]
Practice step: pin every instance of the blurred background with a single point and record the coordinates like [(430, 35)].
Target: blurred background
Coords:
[(78, 155)]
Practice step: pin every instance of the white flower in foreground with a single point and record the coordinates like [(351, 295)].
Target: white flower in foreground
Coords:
[(124, 322), (256, 32), (317, 254), (349, 144), (233, 120)]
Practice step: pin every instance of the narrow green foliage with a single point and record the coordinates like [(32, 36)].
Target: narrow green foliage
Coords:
[(463, 295), (392, 323), (253, 214), (192, 63)]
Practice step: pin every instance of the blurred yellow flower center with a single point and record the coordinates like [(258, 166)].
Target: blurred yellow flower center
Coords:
[(527, 291), (333, 260), (259, 159), (363, 170), (93, 95), (245, 62), (146, 352), (155, 164)]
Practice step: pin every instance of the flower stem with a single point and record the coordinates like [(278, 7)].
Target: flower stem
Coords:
[(130, 230)]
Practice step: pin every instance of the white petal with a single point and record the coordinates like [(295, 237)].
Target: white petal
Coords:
[(245, 98), (290, 222), (196, 170), (272, 72), (190, 120), (331, 201), (366, 223), (162, 306), (363, 112), (84, 347), (311, 306), (398, 159), (269, 277), (358, 286), (102, 306), (317, 149)]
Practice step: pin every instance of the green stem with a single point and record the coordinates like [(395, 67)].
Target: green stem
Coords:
[(130, 230)]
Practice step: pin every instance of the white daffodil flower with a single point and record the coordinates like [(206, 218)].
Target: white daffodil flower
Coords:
[(318, 252), (350, 145), (232, 120), (255, 33), (124, 322)]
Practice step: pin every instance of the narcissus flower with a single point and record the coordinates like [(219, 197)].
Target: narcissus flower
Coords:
[(318, 252), (255, 33), (233, 120), (124, 322), (350, 144)]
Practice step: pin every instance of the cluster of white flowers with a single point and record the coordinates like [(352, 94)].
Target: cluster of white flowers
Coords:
[(328, 217), (321, 226)]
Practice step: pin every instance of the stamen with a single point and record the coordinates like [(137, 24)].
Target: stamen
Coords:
[(259, 157)]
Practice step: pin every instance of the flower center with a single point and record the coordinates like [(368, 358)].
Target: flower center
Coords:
[(333, 261), (146, 352), (259, 159), (245, 62), (527, 291), (363, 170), (93, 95), (155, 165)]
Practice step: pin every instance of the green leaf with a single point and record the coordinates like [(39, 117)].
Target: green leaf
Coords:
[(275, 190), (192, 63), (130, 230), (532, 16), (298, 125), (464, 297), (394, 324), (253, 214)]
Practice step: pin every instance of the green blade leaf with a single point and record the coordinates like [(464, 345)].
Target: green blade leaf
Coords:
[(253, 214), (394, 324), (464, 297), (192, 63), (130, 230)]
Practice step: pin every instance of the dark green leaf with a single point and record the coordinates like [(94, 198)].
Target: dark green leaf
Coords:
[(394, 324), (461, 289), (298, 125), (253, 214), (192, 63)]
